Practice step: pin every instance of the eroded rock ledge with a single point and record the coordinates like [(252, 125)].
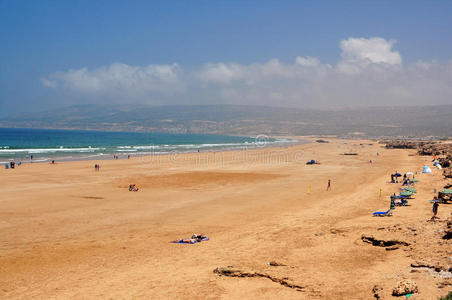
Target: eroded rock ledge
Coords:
[(232, 272), (391, 244)]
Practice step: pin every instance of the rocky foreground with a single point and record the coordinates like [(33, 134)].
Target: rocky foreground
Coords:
[(442, 150)]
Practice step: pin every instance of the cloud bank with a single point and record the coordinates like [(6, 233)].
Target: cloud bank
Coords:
[(370, 73)]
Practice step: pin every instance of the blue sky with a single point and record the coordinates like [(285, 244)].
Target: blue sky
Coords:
[(38, 39)]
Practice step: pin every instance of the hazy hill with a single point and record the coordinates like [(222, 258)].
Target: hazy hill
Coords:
[(236, 119)]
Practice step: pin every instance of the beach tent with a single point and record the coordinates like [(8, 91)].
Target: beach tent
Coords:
[(446, 191), (427, 170), (438, 166), (409, 173)]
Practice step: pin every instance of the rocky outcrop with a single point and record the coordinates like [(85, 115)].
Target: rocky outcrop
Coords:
[(231, 272), (395, 144), (433, 148), (377, 291), (445, 162), (448, 231), (391, 244), (405, 287), (447, 173), (435, 267), (276, 264)]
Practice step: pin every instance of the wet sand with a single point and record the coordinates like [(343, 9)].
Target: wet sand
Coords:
[(67, 231)]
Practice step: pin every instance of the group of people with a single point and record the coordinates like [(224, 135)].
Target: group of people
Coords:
[(403, 201), (394, 202), (96, 167), (395, 177), (117, 157), (133, 188), (12, 165)]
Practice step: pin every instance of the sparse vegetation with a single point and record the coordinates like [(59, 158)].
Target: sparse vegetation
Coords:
[(406, 122)]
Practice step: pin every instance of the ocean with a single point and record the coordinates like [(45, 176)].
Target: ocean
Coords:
[(40, 145)]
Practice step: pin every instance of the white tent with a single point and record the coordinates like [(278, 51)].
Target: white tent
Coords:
[(427, 170), (439, 166)]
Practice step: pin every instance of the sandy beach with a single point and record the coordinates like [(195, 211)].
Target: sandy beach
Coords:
[(67, 231)]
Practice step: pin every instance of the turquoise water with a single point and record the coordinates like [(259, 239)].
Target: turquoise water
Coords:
[(44, 145)]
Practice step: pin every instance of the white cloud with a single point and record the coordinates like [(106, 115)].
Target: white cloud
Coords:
[(307, 61), (119, 78), (221, 72), (373, 50), (370, 73), (360, 53)]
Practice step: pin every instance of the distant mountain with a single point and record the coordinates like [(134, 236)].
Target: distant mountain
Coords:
[(245, 120)]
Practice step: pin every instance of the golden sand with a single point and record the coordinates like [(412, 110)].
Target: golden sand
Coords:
[(67, 231)]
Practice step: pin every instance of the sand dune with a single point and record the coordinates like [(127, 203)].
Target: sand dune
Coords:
[(67, 231)]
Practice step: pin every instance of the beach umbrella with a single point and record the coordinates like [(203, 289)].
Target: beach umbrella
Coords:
[(410, 189), (446, 191), (398, 175), (406, 193)]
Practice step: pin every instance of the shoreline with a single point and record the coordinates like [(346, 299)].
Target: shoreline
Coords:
[(134, 155)]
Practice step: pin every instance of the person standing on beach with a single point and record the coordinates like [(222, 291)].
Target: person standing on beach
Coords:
[(392, 202), (328, 188), (435, 208)]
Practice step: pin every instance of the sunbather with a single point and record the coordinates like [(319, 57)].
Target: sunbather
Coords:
[(199, 237), (195, 238), (133, 188)]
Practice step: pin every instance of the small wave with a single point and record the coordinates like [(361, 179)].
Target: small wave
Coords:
[(49, 150)]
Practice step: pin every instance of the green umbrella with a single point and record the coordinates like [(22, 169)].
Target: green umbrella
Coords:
[(406, 193), (446, 191), (414, 180), (410, 189)]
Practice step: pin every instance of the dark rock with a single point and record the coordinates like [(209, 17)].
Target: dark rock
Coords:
[(231, 272), (276, 264), (382, 243), (447, 173), (401, 144), (377, 290)]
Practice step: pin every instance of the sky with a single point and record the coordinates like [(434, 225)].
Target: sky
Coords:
[(315, 54)]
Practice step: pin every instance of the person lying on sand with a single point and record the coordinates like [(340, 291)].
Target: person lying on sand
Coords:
[(186, 241), (195, 238), (133, 188), (198, 237)]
